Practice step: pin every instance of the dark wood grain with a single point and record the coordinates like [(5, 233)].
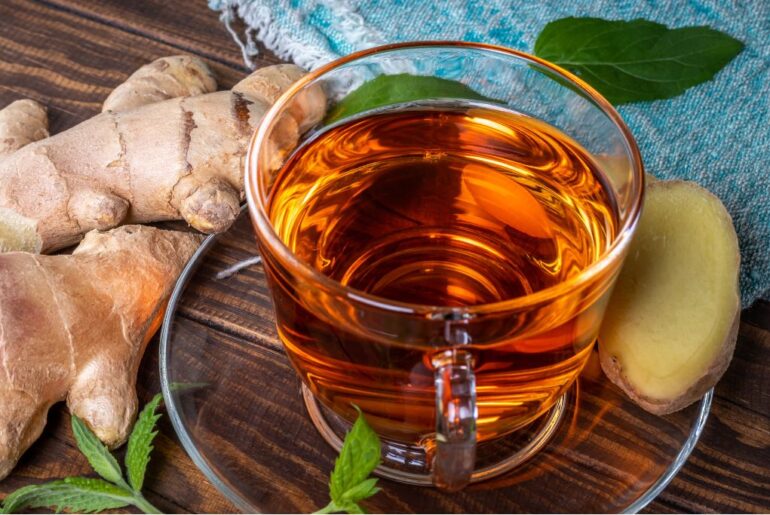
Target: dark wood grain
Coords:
[(71, 62), (196, 29), (70, 53)]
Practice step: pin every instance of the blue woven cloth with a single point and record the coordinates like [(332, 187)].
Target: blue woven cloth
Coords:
[(717, 133)]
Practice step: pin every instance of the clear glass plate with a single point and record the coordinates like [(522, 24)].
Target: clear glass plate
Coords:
[(238, 409)]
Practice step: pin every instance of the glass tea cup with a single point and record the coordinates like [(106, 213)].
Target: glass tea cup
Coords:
[(446, 387)]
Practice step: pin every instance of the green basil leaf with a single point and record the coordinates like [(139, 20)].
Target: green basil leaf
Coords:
[(631, 61), (75, 494), (140, 443), (395, 89), (359, 456), (96, 453)]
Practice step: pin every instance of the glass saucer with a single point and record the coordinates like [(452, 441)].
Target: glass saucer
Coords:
[(239, 411)]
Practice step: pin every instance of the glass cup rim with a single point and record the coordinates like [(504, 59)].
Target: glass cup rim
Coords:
[(267, 233)]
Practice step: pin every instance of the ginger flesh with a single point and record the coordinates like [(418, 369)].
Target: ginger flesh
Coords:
[(75, 327), (671, 324)]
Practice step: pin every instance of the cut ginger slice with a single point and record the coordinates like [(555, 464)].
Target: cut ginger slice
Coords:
[(672, 322)]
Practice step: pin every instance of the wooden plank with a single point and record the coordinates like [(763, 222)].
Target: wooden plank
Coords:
[(173, 480), (758, 315), (71, 63), (196, 29), (747, 382)]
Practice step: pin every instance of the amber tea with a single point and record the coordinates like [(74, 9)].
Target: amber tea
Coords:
[(440, 204)]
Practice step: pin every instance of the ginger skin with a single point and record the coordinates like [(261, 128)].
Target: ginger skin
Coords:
[(22, 122), (176, 159), (76, 326), (165, 78)]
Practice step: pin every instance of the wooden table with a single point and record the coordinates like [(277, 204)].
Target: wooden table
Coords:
[(69, 54)]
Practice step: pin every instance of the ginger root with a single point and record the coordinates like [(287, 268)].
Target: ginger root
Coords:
[(75, 327), (176, 159), (672, 322), (165, 78), (22, 122)]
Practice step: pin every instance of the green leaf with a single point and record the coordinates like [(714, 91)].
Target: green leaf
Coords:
[(395, 89), (359, 456), (631, 61), (97, 453), (351, 507), (76, 494), (140, 443), (361, 491)]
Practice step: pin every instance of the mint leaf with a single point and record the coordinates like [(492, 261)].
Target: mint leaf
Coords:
[(361, 491), (631, 61), (395, 89), (96, 453), (350, 481), (140, 443), (76, 494), (359, 456), (88, 495)]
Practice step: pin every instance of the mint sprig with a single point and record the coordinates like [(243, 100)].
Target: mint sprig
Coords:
[(89, 495), (350, 482)]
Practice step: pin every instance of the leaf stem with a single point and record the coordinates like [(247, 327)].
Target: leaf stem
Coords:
[(329, 508), (143, 504)]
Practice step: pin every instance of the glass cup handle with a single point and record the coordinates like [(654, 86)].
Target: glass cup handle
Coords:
[(455, 453)]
